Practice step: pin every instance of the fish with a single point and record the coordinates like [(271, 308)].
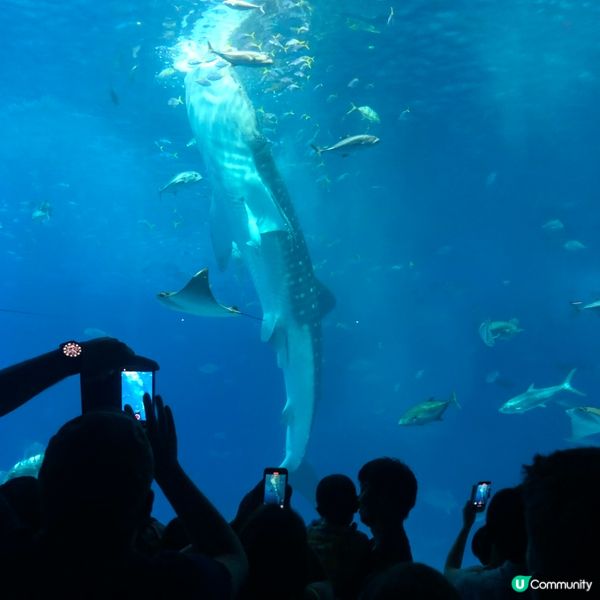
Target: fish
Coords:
[(574, 246), (208, 368), (295, 45), (248, 58), (243, 5), (442, 500), (114, 97), (532, 397), (252, 211), (579, 306), (348, 144), (390, 18), (427, 412), (492, 376), (366, 112), (175, 101), (490, 331), (585, 421), (29, 466), (166, 72), (42, 213), (553, 225), (181, 179)]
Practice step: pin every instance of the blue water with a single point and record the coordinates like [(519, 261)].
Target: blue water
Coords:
[(420, 238)]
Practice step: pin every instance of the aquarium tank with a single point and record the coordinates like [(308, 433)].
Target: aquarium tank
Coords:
[(344, 230)]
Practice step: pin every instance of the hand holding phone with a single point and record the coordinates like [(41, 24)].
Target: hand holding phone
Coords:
[(480, 495), (134, 384), (275, 482)]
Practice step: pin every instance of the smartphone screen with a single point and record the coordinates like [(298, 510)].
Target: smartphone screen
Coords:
[(134, 384), (275, 482), (480, 495)]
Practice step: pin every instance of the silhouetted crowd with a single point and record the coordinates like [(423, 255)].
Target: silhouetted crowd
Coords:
[(83, 528)]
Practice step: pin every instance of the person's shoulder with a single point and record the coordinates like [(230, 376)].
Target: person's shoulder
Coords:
[(191, 574), (479, 582)]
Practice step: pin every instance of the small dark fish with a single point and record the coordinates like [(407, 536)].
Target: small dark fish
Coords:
[(114, 97)]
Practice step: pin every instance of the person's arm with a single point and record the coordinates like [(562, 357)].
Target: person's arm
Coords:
[(27, 379), (455, 556), (21, 382), (207, 529)]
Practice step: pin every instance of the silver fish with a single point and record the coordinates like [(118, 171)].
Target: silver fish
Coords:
[(248, 58), (427, 412), (243, 5), (349, 144), (532, 397), (181, 179)]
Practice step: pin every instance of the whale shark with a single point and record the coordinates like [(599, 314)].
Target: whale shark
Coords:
[(251, 213)]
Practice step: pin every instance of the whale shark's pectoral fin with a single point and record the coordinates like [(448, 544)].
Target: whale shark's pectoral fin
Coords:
[(267, 328), (251, 230), (272, 332), (196, 298), (287, 415), (279, 339)]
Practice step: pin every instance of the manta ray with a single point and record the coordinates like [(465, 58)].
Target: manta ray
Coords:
[(196, 298)]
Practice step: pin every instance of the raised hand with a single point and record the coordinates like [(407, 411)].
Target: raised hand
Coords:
[(160, 429)]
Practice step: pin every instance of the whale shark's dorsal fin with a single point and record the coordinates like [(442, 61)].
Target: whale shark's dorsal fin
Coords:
[(196, 298), (531, 388)]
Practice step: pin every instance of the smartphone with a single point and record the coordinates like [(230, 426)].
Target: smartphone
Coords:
[(481, 494), (134, 384), (275, 480)]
